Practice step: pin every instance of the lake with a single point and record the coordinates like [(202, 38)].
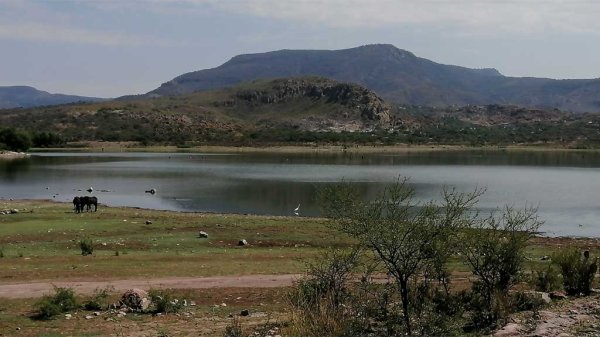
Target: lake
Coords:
[(563, 185)]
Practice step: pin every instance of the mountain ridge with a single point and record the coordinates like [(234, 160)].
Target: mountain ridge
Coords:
[(398, 76), (23, 96)]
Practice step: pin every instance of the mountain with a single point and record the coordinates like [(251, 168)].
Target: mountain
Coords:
[(25, 97), (396, 75)]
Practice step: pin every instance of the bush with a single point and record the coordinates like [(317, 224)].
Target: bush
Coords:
[(495, 252), (99, 300), (86, 246), (164, 301), (14, 140), (546, 280), (578, 270), (51, 306)]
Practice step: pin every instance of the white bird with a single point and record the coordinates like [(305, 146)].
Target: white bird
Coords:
[(296, 210)]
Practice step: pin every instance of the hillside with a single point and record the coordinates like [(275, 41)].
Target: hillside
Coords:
[(396, 75), (303, 104), (26, 97)]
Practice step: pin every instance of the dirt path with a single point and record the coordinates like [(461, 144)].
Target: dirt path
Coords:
[(38, 289)]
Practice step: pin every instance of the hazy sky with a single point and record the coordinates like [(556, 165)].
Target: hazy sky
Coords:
[(113, 48)]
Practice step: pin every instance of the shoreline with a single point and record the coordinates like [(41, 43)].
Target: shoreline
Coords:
[(540, 235), (11, 155), (111, 147)]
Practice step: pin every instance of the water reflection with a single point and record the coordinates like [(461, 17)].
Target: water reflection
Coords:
[(563, 184)]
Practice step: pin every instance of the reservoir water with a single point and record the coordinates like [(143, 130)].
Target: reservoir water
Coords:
[(565, 186)]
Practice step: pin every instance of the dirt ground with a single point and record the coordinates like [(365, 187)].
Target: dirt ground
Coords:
[(573, 317), (38, 289)]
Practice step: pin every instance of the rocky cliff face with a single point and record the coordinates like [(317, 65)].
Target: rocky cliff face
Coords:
[(355, 99)]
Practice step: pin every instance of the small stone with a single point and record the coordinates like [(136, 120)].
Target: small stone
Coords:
[(245, 312), (89, 316), (68, 316), (223, 304), (96, 313), (243, 242), (203, 235), (192, 303), (545, 258), (18, 328), (148, 222)]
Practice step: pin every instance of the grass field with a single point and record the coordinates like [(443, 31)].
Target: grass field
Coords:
[(41, 243)]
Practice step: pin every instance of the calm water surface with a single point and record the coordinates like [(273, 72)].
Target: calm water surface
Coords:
[(564, 186)]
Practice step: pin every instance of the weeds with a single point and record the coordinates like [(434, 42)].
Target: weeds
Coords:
[(86, 246), (164, 301), (578, 270), (99, 300), (62, 301)]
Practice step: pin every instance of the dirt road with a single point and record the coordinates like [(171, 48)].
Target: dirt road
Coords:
[(38, 289)]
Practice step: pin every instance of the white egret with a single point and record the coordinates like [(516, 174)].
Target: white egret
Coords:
[(296, 210)]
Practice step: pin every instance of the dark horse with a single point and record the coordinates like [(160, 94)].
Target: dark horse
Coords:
[(88, 202), (77, 204)]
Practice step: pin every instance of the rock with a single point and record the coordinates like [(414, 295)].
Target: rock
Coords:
[(135, 299), (14, 211), (68, 316), (192, 304), (243, 242), (89, 316), (148, 222), (545, 258), (557, 295), (203, 234), (245, 312)]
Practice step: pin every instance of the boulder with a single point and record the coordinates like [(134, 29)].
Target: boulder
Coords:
[(135, 300), (557, 295)]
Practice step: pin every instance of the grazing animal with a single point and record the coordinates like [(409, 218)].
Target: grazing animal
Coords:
[(77, 204), (88, 202)]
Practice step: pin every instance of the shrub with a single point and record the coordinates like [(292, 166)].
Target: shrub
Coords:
[(164, 301), (547, 279), (86, 246), (578, 270), (51, 306), (99, 300), (14, 140), (494, 251)]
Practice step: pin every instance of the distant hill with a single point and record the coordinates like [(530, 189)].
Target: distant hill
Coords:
[(304, 104), (25, 97), (398, 76)]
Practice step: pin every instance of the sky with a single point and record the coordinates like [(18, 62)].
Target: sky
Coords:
[(112, 48)]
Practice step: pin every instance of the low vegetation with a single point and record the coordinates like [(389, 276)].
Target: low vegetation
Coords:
[(347, 290)]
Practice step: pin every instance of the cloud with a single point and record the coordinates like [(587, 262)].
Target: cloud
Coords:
[(27, 20), (52, 33), (463, 16)]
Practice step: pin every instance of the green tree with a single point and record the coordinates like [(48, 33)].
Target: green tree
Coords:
[(14, 140), (494, 249), (412, 240)]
